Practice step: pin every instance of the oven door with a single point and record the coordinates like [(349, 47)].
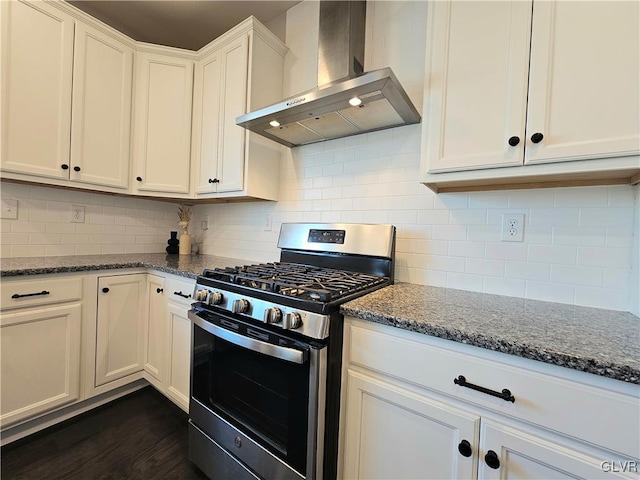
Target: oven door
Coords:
[(258, 395)]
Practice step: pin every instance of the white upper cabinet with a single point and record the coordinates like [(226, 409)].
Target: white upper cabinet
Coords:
[(584, 87), (101, 115), (240, 71), (66, 99), (37, 62), (84, 106), (531, 93), (477, 94), (162, 129)]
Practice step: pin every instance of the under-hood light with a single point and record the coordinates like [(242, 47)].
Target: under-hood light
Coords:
[(355, 101), (274, 123)]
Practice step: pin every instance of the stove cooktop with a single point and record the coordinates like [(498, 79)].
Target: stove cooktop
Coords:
[(302, 282)]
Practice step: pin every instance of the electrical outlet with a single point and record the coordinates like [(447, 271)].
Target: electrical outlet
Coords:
[(268, 222), (512, 227), (204, 224), (77, 214), (9, 208)]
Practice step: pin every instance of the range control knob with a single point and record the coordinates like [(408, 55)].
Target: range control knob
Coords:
[(240, 306), (215, 298), (272, 315), (291, 321), (201, 295)]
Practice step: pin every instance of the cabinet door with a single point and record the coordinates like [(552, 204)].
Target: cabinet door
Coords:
[(155, 356), (233, 104), (521, 455), (40, 369), (37, 56), (162, 132), (206, 123), (394, 433), (179, 348), (583, 96), (476, 84), (101, 119), (120, 326)]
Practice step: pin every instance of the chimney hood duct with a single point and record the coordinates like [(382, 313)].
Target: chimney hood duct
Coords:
[(326, 112)]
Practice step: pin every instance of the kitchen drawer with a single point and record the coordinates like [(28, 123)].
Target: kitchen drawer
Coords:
[(179, 291), (557, 398), (40, 291)]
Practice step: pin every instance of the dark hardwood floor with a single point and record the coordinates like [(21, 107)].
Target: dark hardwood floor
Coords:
[(140, 436)]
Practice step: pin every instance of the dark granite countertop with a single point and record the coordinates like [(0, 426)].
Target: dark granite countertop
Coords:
[(189, 266), (598, 341)]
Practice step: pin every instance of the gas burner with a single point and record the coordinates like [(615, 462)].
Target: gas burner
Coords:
[(306, 282)]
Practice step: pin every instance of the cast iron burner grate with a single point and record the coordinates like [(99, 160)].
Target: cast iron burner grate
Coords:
[(294, 280)]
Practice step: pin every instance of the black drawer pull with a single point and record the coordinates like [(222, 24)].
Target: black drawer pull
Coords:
[(159, 290), (105, 290), (504, 395), (182, 295), (22, 295)]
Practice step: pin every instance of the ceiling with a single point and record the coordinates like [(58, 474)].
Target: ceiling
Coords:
[(187, 24)]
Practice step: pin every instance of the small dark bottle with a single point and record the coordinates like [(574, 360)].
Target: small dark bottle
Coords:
[(173, 243)]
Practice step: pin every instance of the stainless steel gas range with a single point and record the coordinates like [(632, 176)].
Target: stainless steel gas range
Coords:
[(267, 350)]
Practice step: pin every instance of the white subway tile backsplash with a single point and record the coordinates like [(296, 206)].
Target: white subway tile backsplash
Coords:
[(606, 217), (581, 197), (620, 237), (604, 257), (530, 199), (577, 275), (615, 278), (550, 292), (466, 249), (554, 216), (449, 232), (503, 286), (448, 264), (481, 266), (432, 247), (621, 196), (464, 281), (506, 251), (564, 255), (433, 217), (600, 297), (580, 236), (527, 270)]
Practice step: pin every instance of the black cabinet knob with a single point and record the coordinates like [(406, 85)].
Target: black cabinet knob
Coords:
[(492, 460), (513, 141), (76, 169), (105, 290), (159, 290), (139, 179), (214, 180), (464, 447), (64, 166), (537, 137)]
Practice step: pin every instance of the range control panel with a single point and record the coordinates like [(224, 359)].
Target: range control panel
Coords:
[(326, 236)]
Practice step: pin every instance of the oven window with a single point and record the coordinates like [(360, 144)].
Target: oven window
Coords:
[(265, 397)]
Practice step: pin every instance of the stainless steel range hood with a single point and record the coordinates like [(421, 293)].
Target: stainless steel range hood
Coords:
[(328, 112)]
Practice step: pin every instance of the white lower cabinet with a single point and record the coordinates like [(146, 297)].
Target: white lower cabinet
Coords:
[(40, 369), (400, 421), (179, 348), (155, 331), (394, 433), (168, 337), (120, 327)]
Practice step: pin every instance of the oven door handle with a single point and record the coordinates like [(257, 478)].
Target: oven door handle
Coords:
[(284, 353)]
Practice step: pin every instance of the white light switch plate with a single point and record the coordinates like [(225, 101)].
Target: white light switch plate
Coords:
[(9, 208)]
